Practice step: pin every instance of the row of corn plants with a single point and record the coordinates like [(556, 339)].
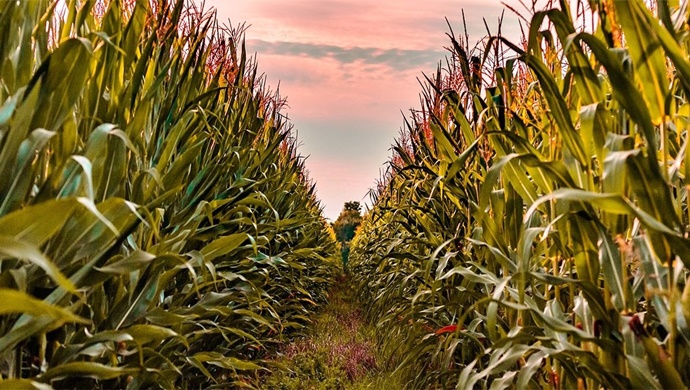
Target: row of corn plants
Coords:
[(157, 228), (533, 231)]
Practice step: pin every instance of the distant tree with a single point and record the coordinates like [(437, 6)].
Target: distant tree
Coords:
[(347, 222), (352, 206), (346, 226)]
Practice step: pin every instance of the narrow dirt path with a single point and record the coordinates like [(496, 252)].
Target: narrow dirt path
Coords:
[(340, 352)]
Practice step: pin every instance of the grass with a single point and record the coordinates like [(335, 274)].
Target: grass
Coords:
[(340, 351)]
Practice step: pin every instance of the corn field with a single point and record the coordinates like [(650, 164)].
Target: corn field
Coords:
[(532, 231), (157, 228)]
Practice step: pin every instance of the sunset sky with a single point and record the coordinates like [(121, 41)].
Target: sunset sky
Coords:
[(349, 70)]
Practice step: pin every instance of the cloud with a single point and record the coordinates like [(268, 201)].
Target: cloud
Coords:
[(386, 24), (398, 59)]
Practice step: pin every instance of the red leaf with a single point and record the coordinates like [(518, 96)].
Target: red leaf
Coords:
[(446, 329)]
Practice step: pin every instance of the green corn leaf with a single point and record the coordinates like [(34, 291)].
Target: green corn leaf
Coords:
[(25, 170), (144, 334), (65, 76), (14, 301), (614, 272), (586, 81), (223, 245), (74, 181), (647, 56), (219, 360), (641, 375), (13, 248), (38, 223), (623, 88), (7, 110), (559, 110), (86, 369), (125, 266)]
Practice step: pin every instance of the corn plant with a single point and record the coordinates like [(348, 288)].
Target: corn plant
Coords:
[(533, 233), (156, 224)]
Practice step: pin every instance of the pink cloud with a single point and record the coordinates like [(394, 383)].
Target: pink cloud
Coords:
[(383, 24)]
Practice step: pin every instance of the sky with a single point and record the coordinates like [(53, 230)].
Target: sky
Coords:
[(350, 71)]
